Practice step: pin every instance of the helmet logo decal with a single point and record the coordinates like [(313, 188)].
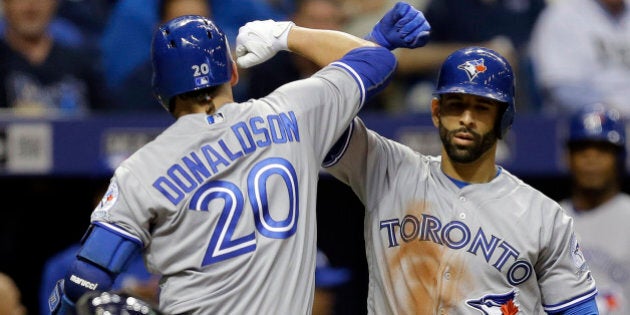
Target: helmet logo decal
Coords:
[(202, 81), (473, 68), (593, 122)]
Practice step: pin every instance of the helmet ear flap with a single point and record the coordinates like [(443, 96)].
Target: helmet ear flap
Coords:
[(483, 72)]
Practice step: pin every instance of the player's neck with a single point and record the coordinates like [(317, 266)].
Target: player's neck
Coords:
[(482, 170), (588, 199)]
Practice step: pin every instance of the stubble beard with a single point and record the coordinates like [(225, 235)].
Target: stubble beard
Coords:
[(466, 154)]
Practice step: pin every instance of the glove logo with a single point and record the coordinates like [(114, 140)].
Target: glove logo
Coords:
[(54, 301), (473, 68)]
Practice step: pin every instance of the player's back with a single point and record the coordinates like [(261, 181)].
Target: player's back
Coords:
[(226, 196), (225, 203)]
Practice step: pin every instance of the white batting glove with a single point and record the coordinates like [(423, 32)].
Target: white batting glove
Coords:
[(258, 41)]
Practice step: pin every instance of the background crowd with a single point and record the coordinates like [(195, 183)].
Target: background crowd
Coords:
[(63, 58)]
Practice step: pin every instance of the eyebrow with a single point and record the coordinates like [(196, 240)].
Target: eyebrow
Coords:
[(478, 99)]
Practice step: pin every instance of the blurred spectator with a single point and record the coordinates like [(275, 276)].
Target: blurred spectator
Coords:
[(42, 76), (88, 16), (136, 280), (126, 41), (10, 297), (285, 67), (361, 15), (232, 14), (126, 45), (596, 155), (581, 55), (78, 23), (503, 26), (327, 280)]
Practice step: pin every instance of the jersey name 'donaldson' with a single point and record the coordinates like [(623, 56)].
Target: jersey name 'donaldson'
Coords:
[(197, 166)]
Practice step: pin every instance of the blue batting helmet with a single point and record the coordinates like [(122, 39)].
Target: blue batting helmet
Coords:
[(483, 72), (598, 123), (188, 53)]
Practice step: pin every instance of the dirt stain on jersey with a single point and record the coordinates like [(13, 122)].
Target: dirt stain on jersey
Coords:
[(429, 278)]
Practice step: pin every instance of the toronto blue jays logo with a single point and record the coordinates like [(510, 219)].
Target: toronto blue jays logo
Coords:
[(496, 304), (473, 68)]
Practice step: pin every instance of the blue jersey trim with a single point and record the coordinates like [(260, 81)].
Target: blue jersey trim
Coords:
[(339, 148), (372, 67), (566, 305), (117, 230), (588, 307)]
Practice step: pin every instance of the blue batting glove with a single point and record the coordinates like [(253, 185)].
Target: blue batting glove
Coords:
[(59, 303), (401, 27)]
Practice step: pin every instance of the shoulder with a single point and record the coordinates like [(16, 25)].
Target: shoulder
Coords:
[(624, 197), (622, 202), (524, 192)]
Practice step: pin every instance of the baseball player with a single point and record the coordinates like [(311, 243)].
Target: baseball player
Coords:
[(222, 202), (596, 153), (456, 233)]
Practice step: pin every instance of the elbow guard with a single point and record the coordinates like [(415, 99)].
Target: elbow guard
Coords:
[(103, 255), (109, 248), (371, 66)]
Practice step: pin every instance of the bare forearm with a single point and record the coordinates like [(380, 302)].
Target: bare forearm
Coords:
[(323, 46)]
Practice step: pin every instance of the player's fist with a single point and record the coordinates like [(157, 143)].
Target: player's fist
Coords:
[(258, 41), (402, 26)]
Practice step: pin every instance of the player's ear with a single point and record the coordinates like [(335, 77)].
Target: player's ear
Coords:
[(234, 79), (435, 111)]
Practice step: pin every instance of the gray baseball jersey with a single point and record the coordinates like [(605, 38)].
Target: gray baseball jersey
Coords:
[(225, 204), (432, 248), (605, 239)]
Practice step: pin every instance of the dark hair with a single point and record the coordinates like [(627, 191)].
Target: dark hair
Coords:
[(201, 95)]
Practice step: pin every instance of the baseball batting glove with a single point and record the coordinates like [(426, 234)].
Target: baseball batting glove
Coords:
[(402, 26), (258, 41), (59, 303)]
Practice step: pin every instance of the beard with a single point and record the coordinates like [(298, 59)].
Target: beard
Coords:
[(466, 154)]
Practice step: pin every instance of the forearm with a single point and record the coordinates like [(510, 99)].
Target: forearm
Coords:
[(323, 46), (103, 255)]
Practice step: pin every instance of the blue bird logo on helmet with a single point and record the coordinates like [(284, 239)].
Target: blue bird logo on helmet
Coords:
[(485, 73), (473, 68)]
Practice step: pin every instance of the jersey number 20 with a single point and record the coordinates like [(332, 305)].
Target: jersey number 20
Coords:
[(222, 243)]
